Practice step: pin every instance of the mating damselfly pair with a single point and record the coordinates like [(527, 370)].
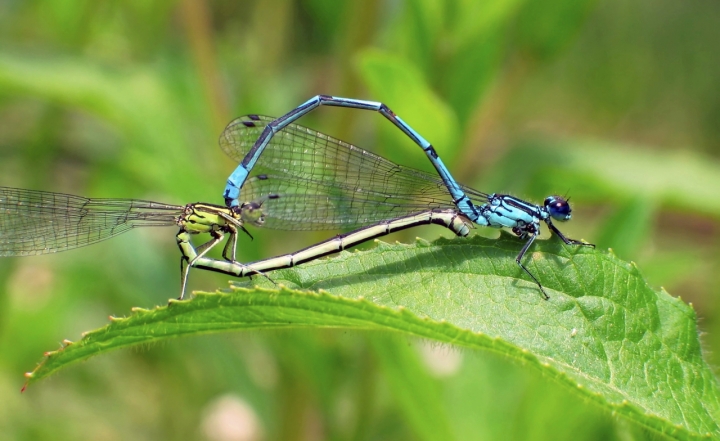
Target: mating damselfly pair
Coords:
[(306, 181)]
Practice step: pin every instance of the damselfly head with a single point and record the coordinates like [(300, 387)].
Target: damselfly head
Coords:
[(558, 207), (252, 213)]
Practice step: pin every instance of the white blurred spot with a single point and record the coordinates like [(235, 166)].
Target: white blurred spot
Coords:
[(441, 360), (230, 418)]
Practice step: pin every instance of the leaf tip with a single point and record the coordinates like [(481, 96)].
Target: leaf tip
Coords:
[(135, 309), (381, 245), (422, 242), (202, 294)]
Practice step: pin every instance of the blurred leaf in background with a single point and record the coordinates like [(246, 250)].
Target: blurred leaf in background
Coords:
[(613, 103)]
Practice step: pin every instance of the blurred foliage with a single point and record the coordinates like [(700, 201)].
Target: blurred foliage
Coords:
[(613, 102)]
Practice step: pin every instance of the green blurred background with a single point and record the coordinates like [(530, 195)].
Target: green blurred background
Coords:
[(614, 103)]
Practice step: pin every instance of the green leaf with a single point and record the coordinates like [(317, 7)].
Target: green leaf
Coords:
[(604, 333)]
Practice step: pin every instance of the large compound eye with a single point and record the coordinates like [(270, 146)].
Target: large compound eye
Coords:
[(252, 213), (558, 208)]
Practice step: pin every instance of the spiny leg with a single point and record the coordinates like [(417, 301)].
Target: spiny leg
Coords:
[(232, 225), (184, 273), (231, 244), (567, 240), (518, 260), (190, 257), (203, 249), (188, 253)]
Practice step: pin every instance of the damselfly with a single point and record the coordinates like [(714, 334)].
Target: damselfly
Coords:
[(315, 166), (39, 222), (450, 219)]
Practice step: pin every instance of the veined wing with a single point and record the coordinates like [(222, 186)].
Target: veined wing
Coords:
[(293, 203), (38, 222), (305, 153)]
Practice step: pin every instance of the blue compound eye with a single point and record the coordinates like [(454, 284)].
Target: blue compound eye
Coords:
[(558, 208)]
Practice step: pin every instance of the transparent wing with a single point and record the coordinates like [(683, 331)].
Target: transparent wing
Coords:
[(306, 154), (37, 222), (292, 203)]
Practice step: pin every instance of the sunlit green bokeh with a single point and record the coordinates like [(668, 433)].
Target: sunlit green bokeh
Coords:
[(613, 103)]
